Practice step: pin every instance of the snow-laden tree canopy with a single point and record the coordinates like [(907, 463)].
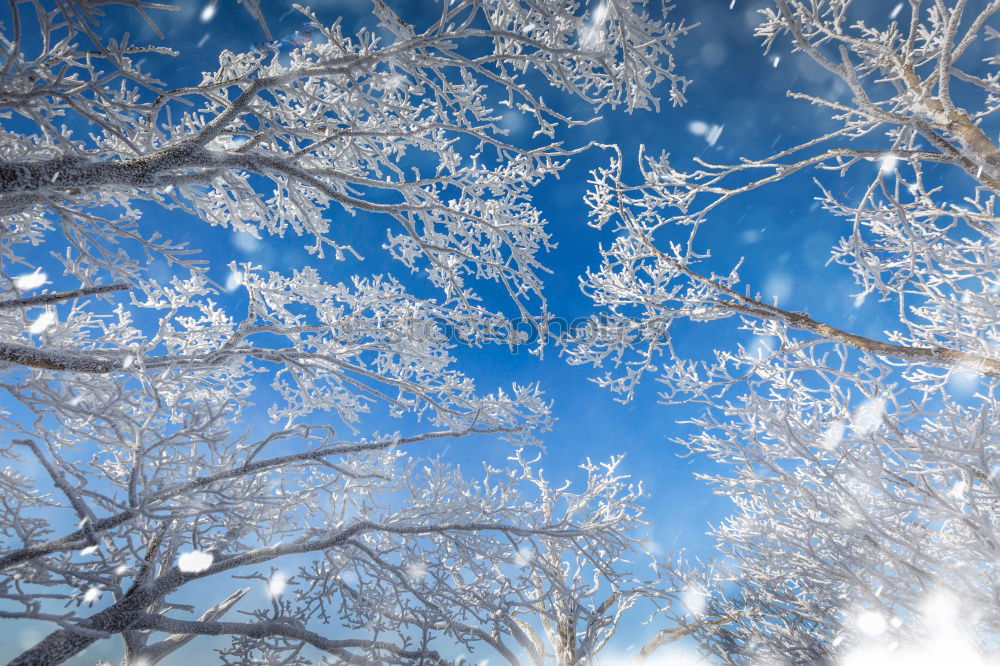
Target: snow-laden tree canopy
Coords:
[(136, 465), (865, 479), (161, 445)]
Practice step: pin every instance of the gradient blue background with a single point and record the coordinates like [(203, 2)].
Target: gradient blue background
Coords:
[(785, 238)]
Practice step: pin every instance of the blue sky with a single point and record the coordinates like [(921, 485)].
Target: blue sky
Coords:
[(786, 240), (739, 93), (731, 77)]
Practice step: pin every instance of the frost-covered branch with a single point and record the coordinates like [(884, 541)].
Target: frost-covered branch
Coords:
[(863, 467), (188, 440)]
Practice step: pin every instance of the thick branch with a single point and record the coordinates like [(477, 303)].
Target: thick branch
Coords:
[(45, 359), (61, 296), (277, 627), (64, 644), (672, 634), (939, 356), (155, 653)]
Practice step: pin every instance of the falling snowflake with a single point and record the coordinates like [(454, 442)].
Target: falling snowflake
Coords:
[(30, 280), (713, 134), (832, 436), (870, 623), (963, 381), (694, 600), (868, 417), (651, 546), (208, 12), (195, 561), (276, 584), (91, 595), (44, 320), (778, 287), (234, 280), (246, 242), (888, 163), (760, 347), (698, 127), (416, 570), (594, 32)]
